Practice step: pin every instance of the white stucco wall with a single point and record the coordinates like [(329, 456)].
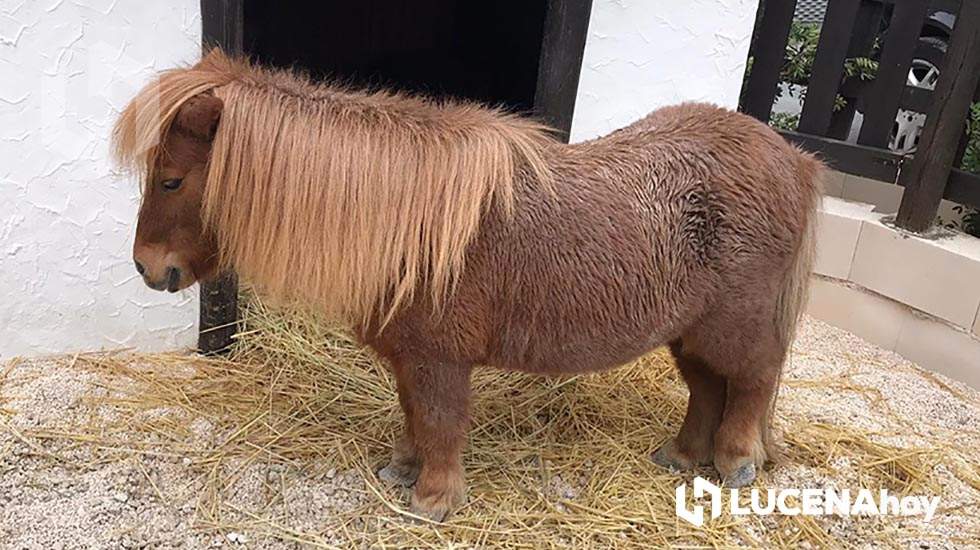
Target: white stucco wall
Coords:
[(644, 54), (66, 218)]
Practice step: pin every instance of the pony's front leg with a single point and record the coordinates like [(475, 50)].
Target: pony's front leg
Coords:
[(404, 466), (439, 417)]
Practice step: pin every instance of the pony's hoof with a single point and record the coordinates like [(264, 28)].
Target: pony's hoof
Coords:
[(436, 514), (399, 475), (669, 457), (437, 507), (742, 476)]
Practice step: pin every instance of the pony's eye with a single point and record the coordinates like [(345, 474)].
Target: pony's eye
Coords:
[(171, 185)]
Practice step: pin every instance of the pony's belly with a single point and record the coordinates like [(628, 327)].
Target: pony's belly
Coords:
[(566, 366), (575, 354)]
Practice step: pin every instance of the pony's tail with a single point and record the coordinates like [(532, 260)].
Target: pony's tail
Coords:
[(793, 292), (794, 288)]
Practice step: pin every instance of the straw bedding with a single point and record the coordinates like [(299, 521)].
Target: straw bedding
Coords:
[(276, 446)]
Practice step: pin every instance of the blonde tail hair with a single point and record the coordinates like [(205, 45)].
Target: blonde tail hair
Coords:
[(794, 291)]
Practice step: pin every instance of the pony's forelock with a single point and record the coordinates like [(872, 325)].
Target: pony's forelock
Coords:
[(342, 200), (148, 116)]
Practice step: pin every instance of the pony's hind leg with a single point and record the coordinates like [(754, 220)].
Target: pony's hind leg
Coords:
[(694, 444), (438, 419), (741, 345), (404, 466), (739, 443)]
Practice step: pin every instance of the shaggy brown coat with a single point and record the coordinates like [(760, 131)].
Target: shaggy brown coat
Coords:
[(691, 227)]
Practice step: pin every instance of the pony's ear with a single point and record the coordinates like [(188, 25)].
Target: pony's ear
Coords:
[(199, 115)]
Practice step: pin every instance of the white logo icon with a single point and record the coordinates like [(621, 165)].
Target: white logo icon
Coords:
[(696, 514)]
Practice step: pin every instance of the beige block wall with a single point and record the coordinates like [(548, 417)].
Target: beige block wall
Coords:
[(923, 274), (915, 296)]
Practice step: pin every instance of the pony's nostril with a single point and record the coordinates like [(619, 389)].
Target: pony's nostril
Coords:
[(173, 279), (139, 268)]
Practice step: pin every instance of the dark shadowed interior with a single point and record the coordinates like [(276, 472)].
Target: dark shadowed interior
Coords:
[(480, 50)]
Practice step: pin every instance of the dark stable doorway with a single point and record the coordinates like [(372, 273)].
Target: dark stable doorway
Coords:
[(523, 54), (483, 50)]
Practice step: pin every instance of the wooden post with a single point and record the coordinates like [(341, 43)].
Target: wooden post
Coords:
[(828, 66), (893, 72), (219, 314), (768, 53), (222, 23), (926, 175), (566, 26), (867, 24)]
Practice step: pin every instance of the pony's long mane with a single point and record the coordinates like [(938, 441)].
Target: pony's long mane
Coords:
[(346, 200)]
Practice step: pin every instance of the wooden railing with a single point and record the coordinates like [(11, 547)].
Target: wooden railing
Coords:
[(850, 29)]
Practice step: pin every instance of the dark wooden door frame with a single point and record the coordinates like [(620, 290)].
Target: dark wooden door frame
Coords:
[(566, 27), (559, 66), (222, 24)]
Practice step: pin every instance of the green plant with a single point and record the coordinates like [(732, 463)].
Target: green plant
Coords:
[(970, 223), (801, 50), (971, 157), (785, 121), (971, 163)]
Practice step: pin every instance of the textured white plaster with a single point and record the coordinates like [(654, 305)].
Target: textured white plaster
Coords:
[(644, 54), (66, 216)]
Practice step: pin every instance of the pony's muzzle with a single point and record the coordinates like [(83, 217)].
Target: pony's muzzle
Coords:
[(170, 283), (160, 271)]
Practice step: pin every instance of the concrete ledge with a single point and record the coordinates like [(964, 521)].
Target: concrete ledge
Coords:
[(882, 196), (918, 297)]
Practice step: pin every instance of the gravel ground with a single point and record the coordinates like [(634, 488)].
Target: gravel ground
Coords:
[(55, 494)]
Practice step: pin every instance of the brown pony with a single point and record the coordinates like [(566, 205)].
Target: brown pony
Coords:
[(451, 235)]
